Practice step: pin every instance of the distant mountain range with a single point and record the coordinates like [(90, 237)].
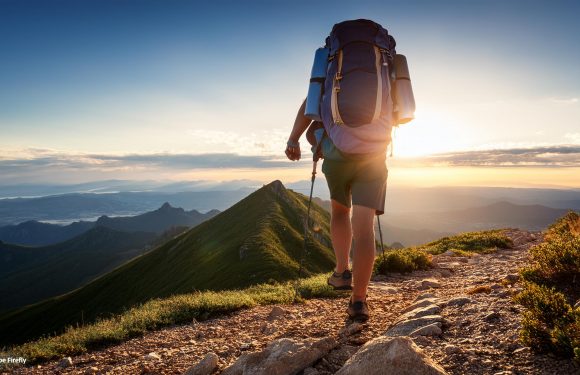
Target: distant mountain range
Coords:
[(415, 228), (34, 233), (495, 215), (256, 240), (90, 206), (123, 198)]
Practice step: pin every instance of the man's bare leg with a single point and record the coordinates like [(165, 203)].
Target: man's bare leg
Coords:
[(364, 251), (341, 234)]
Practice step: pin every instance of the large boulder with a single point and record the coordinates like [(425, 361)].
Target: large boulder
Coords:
[(390, 355), (282, 357)]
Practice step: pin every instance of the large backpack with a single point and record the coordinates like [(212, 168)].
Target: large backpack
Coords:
[(356, 106)]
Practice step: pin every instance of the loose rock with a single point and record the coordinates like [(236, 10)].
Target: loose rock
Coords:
[(404, 328), (511, 278), (65, 362), (421, 303), (276, 313), (282, 356), (421, 311), (451, 349), (311, 371), (430, 330), (350, 329), (153, 356), (424, 296), (205, 367), (492, 317), (430, 283), (396, 356), (459, 301)]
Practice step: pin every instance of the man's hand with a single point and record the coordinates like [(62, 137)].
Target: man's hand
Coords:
[(293, 150)]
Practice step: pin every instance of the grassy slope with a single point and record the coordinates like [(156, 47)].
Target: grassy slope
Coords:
[(56, 269), (268, 223)]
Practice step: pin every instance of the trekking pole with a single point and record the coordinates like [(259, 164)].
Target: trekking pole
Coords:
[(381, 235), (307, 223)]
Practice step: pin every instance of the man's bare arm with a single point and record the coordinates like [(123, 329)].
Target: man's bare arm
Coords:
[(300, 125)]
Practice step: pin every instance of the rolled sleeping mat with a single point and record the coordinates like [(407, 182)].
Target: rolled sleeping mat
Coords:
[(403, 91), (317, 77), (314, 133)]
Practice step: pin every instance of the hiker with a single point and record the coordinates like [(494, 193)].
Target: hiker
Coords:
[(354, 110)]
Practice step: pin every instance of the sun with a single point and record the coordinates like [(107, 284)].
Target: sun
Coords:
[(429, 133)]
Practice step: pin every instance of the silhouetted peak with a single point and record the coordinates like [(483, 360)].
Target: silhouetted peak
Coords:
[(102, 219), (166, 206), (275, 186)]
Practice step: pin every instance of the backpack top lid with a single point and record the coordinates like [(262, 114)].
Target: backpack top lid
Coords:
[(359, 30)]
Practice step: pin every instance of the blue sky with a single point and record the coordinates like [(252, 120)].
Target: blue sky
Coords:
[(124, 78)]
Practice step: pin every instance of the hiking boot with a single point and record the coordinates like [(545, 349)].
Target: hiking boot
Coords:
[(358, 311), (341, 281)]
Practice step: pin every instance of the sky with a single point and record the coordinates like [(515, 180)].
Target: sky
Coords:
[(191, 90)]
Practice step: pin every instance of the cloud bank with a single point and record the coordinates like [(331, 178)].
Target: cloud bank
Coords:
[(49, 165), (545, 157)]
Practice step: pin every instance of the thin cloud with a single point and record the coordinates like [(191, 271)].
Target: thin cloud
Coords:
[(35, 158), (574, 137), (552, 156), (572, 100)]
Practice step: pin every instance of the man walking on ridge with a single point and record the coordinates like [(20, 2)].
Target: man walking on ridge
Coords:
[(350, 94), (363, 182)]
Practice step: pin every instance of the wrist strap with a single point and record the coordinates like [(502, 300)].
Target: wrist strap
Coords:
[(292, 144)]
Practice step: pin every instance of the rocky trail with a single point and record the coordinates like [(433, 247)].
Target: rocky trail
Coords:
[(457, 318)]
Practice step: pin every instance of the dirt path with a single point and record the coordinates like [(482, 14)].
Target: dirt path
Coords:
[(479, 337)]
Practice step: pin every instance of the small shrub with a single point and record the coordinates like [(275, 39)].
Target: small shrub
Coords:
[(549, 322), (462, 253), (480, 289), (557, 258), (546, 304), (402, 261), (566, 227), (532, 275)]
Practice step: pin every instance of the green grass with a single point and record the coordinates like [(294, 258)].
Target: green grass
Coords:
[(476, 242), (551, 286), (158, 313)]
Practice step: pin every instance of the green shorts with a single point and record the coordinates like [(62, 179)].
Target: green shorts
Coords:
[(362, 181)]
